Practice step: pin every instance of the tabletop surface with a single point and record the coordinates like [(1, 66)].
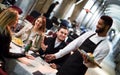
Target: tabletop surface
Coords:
[(33, 67)]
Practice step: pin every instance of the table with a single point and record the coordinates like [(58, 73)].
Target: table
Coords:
[(15, 67)]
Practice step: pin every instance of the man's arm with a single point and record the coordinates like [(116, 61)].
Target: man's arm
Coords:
[(70, 47)]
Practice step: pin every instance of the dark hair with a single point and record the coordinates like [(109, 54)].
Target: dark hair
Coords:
[(57, 2), (62, 27), (107, 20)]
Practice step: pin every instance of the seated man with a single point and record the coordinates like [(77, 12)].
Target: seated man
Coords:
[(54, 44)]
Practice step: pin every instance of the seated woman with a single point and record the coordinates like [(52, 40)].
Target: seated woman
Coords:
[(34, 33), (8, 18)]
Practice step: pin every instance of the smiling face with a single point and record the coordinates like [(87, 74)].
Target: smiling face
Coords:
[(38, 22), (104, 24), (62, 34), (100, 28)]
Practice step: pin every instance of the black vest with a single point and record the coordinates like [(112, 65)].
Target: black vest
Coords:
[(74, 65)]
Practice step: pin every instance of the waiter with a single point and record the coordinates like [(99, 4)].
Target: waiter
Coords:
[(92, 42)]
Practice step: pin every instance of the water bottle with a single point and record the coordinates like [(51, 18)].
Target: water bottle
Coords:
[(28, 46)]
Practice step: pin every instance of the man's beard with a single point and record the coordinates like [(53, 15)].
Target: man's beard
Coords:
[(100, 30)]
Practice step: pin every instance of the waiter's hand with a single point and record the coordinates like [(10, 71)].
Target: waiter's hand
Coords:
[(85, 58), (49, 57)]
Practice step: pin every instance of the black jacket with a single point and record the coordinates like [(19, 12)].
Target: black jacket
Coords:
[(50, 41), (5, 40)]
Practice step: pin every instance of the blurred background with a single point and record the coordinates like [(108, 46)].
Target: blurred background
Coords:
[(80, 16)]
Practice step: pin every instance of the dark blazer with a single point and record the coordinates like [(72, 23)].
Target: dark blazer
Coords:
[(5, 40), (50, 41)]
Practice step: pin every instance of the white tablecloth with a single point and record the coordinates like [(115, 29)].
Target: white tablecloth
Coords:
[(15, 67)]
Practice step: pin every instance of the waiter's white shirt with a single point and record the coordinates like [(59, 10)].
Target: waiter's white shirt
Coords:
[(99, 53)]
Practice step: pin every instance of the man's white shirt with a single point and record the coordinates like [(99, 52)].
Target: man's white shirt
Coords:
[(99, 53)]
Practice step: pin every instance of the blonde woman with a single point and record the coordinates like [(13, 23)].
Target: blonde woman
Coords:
[(8, 18), (34, 32)]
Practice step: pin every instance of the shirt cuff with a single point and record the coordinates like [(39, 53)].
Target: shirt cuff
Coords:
[(57, 55)]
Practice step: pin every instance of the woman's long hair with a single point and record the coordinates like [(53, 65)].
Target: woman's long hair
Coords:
[(8, 18), (43, 27)]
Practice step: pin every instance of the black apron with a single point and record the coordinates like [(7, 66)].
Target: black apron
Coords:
[(74, 65)]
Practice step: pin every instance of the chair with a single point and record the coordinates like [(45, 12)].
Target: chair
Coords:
[(49, 24), (55, 20), (17, 8), (30, 18), (35, 14), (71, 37)]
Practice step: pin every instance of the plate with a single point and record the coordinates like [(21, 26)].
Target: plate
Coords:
[(17, 41), (90, 58)]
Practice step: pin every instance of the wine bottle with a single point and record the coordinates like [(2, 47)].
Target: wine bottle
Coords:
[(28, 46)]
